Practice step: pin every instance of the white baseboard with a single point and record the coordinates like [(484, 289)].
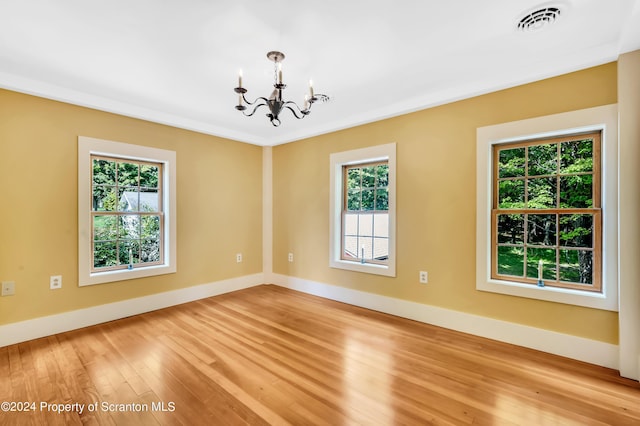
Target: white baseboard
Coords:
[(59, 323), (579, 348)]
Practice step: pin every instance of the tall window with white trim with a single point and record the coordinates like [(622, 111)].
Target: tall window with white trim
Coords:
[(126, 211), (363, 210)]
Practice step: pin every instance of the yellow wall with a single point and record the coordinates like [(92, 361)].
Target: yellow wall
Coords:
[(436, 202), (219, 185)]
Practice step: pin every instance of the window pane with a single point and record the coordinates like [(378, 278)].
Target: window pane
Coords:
[(541, 229), (150, 226), (576, 266), (543, 159), (104, 254), (128, 199), (548, 257), (365, 225), (380, 248), (104, 198), (149, 176), (366, 248), (576, 230), (510, 229), (353, 178), (130, 227), (149, 201), (351, 224), (577, 156), (511, 194), (511, 261), (105, 228), (129, 252), (511, 162), (576, 191), (150, 251), (104, 172), (381, 225), (353, 200), (383, 175), (368, 177), (351, 247), (128, 174), (368, 199), (382, 199), (542, 193)]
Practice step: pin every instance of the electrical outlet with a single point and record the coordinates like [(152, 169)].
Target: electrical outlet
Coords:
[(424, 277), (239, 257), (8, 288), (55, 282), (290, 257)]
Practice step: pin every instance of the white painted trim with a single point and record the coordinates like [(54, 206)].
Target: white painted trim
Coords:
[(629, 227), (579, 348), (267, 210), (603, 118), (59, 323)]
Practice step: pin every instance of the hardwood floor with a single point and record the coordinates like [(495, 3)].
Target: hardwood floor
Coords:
[(268, 355)]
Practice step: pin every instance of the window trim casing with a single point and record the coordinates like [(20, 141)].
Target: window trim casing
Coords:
[(88, 146), (385, 152), (603, 118)]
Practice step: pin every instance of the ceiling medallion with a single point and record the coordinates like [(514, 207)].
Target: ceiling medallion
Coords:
[(275, 102)]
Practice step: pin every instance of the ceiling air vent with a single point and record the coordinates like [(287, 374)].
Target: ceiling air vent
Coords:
[(539, 18)]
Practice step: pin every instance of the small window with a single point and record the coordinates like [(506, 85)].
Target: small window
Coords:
[(365, 213), (126, 211), (127, 216), (363, 210), (546, 215)]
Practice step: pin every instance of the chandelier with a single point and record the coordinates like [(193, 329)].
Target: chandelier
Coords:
[(275, 102)]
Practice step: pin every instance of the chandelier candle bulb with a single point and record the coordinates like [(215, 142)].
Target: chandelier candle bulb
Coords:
[(240, 78), (279, 73), (311, 89)]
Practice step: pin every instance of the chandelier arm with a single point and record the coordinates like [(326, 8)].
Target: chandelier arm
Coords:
[(264, 103), (301, 113)]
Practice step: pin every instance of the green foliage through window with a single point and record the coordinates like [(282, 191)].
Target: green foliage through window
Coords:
[(126, 213), (365, 213), (545, 210)]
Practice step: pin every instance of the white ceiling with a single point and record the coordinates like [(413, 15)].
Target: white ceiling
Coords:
[(176, 61)]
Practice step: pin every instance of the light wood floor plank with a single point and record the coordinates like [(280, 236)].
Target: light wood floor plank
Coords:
[(272, 356)]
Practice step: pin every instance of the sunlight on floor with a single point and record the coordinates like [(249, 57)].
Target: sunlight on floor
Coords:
[(368, 365)]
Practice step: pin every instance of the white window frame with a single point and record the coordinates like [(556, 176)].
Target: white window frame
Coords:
[(338, 160), (91, 146), (605, 119)]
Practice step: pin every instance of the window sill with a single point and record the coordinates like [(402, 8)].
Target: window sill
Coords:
[(126, 274), (588, 299), (367, 268)]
